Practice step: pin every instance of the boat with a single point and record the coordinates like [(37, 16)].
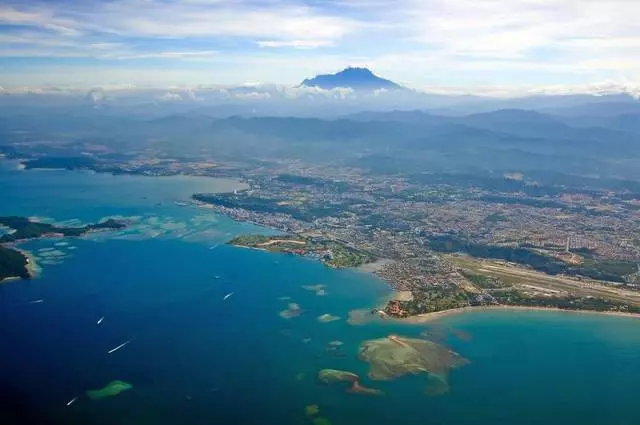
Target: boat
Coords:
[(124, 344), (73, 400), (100, 320), (227, 296)]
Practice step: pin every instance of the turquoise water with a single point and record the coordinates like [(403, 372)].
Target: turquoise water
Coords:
[(194, 358)]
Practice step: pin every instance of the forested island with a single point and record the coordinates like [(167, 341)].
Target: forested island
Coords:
[(13, 263), (23, 228)]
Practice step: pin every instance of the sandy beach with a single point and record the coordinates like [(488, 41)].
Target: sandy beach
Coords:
[(32, 267), (430, 317)]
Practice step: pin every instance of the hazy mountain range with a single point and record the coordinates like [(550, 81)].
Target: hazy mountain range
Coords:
[(368, 126), (349, 91)]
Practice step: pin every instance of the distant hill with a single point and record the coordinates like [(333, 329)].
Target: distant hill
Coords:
[(355, 78)]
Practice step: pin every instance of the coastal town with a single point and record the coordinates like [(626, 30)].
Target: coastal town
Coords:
[(452, 240), (456, 247)]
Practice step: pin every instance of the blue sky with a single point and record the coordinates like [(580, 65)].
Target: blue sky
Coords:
[(420, 43)]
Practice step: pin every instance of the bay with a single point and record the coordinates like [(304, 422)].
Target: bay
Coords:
[(194, 357)]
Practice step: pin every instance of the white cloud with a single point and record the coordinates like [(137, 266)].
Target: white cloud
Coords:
[(12, 16), (271, 20), (296, 44), (416, 42), (252, 95), (195, 54)]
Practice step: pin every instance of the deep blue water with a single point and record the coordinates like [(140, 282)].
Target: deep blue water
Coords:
[(198, 359)]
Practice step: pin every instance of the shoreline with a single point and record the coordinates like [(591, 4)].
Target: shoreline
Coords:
[(32, 268), (430, 317)]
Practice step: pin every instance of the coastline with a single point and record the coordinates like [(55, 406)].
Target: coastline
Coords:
[(430, 317), (32, 268), (403, 295)]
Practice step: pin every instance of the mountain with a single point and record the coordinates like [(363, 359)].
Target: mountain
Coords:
[(354, 78)]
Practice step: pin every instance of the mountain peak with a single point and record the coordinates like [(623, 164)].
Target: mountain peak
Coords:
[(351, 77), (357, 71)]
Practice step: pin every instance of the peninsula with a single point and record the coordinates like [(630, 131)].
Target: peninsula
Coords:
[(331, 252), (446, 254), (13, 263)]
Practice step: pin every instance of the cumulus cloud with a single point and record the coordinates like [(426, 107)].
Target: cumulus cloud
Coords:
[(294, 92), (254, 95)]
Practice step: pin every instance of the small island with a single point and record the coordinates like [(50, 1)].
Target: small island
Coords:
[(331, 252), (15, 264), (24, 228)]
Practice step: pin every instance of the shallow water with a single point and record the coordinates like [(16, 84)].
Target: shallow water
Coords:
[(196, 358)]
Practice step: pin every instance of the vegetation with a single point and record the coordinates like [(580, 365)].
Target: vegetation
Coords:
[(68, 163), (485, 282), (12, 264), (495, 218), (27, 229), (330, 252), (436, 298), (616, 268), (613, 271), (518, 297)]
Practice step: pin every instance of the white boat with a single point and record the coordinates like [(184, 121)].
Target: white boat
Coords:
[(100, 320), (73, 400), (124, 344), (226, 297)]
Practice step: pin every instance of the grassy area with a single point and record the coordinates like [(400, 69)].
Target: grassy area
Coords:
[(346, 257), (433, 299), (485, 282)]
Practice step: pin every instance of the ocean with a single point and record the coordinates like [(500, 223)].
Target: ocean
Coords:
[(195, 358)]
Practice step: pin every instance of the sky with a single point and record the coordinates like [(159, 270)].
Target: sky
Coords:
[(418, 43)]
